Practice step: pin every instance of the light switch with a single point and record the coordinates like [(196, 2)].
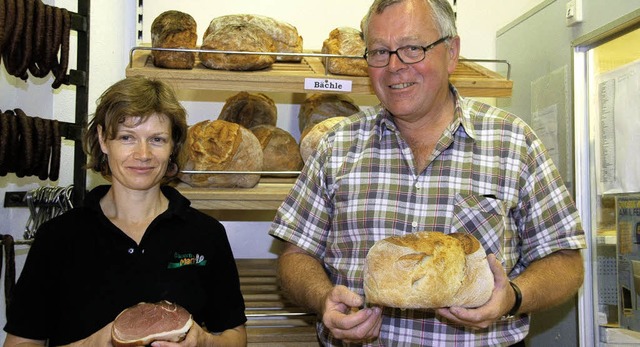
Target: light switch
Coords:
[(573, 12)]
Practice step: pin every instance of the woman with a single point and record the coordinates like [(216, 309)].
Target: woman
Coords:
[(136, 240)]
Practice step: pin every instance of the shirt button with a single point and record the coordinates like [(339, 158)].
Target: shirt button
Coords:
[(142, 251), (418, 185), (414, 224), (131, 250)]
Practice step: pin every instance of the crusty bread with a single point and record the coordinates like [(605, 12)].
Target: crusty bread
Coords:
[(279, 147), (345, 41), (249, 110), (320, 106), (428, 270), (174, 29), (245, 37), (284, 35), (222, 146), (310, 139)]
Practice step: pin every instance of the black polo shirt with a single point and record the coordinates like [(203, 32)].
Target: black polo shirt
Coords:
[(81, 271)]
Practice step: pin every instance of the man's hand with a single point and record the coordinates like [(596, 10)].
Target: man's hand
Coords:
[(501, 300), (341, 314)]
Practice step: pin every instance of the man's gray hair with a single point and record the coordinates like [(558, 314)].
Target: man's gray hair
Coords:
[(443, 15)]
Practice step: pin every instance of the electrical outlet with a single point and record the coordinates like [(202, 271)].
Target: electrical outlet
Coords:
[(573, 12)]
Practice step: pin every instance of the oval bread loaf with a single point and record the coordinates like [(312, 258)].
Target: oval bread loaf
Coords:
[(284, 36), (320, 106), (310, 139), (345, 41), (222, 146), (244, 37), (279, 147), (428, 270)]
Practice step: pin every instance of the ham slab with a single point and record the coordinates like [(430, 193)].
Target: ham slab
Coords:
[(144, 323)]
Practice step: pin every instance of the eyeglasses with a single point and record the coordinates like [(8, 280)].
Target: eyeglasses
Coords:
[(406, 54)]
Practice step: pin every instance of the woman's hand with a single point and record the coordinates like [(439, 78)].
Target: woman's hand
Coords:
[(199, 337)]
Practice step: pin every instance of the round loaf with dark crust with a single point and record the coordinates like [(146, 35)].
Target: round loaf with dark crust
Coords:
[(320, 106), (249, 110), (174, 29), (279, 147), (425, 270)]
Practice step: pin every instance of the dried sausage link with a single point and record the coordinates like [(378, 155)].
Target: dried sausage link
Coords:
[(55, 151), (61, 70)]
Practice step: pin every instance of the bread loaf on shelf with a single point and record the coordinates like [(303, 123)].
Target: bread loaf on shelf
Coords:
[(280, 149), (249, 110), (284, 35), (320, 106), (174, 29), (345, 41), (245, 37), (426, 270), (222, 146), (310, 139)]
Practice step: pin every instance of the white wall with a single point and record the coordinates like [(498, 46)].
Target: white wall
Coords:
[(113, 30)]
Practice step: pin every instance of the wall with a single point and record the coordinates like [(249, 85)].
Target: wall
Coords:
[(113, 33)]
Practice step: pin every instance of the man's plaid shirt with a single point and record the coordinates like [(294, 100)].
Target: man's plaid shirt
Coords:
[(489, 176)]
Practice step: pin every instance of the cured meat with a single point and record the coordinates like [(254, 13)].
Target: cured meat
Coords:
[(144, 323)]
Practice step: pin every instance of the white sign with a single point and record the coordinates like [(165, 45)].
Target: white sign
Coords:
[(327, 84)]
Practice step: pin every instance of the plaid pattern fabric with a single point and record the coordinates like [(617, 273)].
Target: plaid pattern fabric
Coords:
[(489, 176)]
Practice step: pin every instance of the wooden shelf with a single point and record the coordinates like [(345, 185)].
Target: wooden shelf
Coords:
[(470, 78), (268, 194)]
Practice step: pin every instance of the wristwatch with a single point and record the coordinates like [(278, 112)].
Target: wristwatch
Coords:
[(516, 306)]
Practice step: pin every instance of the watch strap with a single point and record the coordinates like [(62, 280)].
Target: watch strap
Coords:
[(516, 306)]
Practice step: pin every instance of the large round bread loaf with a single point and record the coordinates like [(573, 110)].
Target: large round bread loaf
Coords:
[(279, 147), (428, 270), (318, 107), (345, 41), (284, 35), (245, 37), (249, 110), (174, 29), (222, 146), (310, 139)]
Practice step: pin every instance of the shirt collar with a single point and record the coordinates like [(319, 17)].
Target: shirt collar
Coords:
[(178, 204), (460, 117)]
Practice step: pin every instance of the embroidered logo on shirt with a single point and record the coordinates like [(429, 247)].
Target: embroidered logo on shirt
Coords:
[(186, 259)]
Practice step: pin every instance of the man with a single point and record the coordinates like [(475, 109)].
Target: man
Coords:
[(427, 159)]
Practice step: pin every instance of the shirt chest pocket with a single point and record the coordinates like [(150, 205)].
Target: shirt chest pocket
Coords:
[(482, 216)]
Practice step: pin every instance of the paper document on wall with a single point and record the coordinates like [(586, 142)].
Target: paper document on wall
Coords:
[(545, 124), (617, 139)]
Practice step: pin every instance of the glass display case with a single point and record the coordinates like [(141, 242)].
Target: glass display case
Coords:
[(607, 133)]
